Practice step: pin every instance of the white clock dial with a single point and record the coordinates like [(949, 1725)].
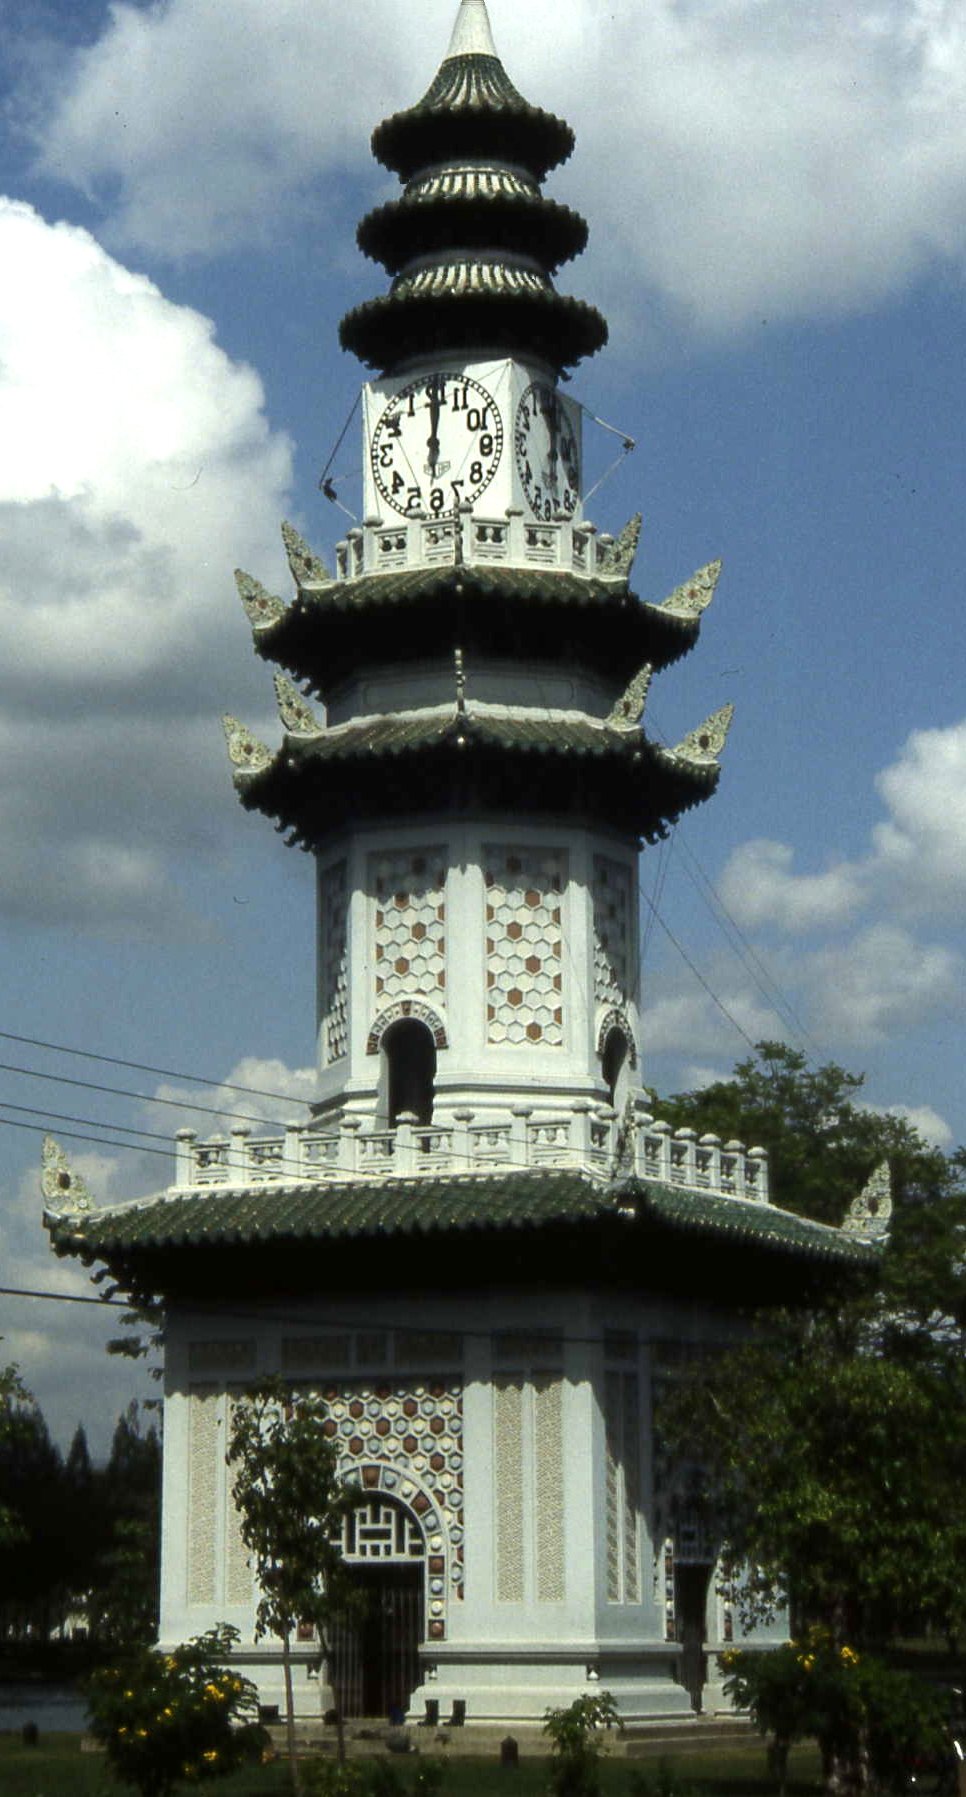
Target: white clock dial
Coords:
[(437, 445), (548, 460)]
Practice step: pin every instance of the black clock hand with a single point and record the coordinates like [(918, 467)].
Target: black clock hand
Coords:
[(433, 443)]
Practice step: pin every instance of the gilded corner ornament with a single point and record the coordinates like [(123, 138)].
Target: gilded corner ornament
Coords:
[(245, 752), (308, 569), (706, 742), (261, 607), (629, 709), (617, 558), (297, 717), (63, 1189), (693, 596), (869, 1214)]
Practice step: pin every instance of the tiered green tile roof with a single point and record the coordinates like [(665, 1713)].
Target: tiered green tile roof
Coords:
[(472, 242)]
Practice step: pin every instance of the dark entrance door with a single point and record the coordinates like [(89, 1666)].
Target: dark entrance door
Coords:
[(691, 1579), (375, 1663)]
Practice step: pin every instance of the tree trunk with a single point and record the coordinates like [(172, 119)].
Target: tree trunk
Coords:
[(293, 1763)]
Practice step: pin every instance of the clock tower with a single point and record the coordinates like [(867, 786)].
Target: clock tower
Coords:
[(480, 1248)]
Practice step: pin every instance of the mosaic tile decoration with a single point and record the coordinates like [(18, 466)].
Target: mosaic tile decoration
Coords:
[(615, 934), (409, 922), (413, 1430), (203, 1471), (334, 960), (524, 945), (622, 1486)]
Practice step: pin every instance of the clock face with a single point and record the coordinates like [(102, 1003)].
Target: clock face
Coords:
[(437, 445), (547, 457)]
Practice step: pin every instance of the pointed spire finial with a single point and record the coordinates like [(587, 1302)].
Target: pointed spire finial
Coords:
[(471, 33)]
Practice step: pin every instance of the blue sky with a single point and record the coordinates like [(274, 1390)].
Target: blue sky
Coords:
[(777, 201)]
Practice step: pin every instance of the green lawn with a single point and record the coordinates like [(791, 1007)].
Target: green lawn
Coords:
[(57, 1768)]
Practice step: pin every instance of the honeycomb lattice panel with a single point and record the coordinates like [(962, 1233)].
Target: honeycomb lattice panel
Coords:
[(524, 946), (410, 924), (614, 933), (335, 962)]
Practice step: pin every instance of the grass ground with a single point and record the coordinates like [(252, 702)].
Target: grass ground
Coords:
[(57, 1768)]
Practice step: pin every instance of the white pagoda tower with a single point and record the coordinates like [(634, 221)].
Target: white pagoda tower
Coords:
[(481, 1250)]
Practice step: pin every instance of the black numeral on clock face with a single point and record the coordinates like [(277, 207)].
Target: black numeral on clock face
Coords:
[(545, 447), (437, 445)]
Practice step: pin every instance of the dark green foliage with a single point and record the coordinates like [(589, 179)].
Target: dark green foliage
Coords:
[(578, 1736)]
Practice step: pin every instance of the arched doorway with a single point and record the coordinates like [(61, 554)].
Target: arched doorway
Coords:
[(374, 1667), (408, 1070), (615, 1067)]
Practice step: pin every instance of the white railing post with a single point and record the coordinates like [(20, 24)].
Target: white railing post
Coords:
[(461, 1141), (757, 1174), (349, 1143), (239, 1162), (683, 1157), (292, 1167), (184, 1157), (581, 1146), (519, 1134), (737, 1151), (405, 1145), (663, 1132)]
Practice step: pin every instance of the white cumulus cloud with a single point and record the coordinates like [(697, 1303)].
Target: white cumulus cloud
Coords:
[(136, 468), (882, 983), (776, 160), (759, 886)]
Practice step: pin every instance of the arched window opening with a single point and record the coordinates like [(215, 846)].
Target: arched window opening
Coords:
[(409, 1068), (614, 1067)]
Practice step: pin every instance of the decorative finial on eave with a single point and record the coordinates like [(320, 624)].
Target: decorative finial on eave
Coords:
[(262, 608), (703, 745), (471, 32), (615, 560), (693, 596), (245, 752), (308, 569), (629, 710), (298, 718), (64, 1190), (460, 673), (869, 1214)]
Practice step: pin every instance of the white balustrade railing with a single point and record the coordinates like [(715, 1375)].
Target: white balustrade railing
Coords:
[(587, 1136)]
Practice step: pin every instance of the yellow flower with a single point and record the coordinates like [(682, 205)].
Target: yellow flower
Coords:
[(211, 1755), (849, 1656), (123, 1729), (142, 1734)]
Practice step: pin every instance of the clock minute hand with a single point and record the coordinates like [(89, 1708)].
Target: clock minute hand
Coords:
[(433, 440)]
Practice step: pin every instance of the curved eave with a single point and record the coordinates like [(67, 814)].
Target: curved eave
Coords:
[(492, 762), (397, 326), (395, 233), (471, 108), (501, 614), (543, 1223)]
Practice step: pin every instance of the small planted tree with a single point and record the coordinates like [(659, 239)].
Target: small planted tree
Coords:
[(292, 1505), (579, 1736)]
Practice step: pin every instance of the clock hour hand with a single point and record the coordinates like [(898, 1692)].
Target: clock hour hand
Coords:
[(433, 441), (552, 416)]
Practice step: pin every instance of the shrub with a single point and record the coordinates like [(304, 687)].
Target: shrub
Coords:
[(577, 1734), (177, 1718)]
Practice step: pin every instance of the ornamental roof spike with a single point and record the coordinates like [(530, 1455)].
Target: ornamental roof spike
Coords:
[(245, 751), (705, 744), (64, 1191), (693, 596), (618, 557), (471, 31), (297, 717), (262, 608), (629, 709), (870, 1213), (308, 569)]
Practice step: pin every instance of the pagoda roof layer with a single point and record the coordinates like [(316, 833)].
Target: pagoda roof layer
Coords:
[(471, 108), (482, 757), (329, 630), (473, 306), (626, 1226)]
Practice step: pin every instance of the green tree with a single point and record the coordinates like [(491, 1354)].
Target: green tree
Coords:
[(125, 1572), (13, 1400), (832, 1442), (292, 1504)]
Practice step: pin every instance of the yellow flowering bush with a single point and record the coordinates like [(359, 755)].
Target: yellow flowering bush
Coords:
[(858, 1709), (177, 1718)]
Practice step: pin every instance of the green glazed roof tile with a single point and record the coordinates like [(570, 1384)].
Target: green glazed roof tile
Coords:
[(357, 1210)]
